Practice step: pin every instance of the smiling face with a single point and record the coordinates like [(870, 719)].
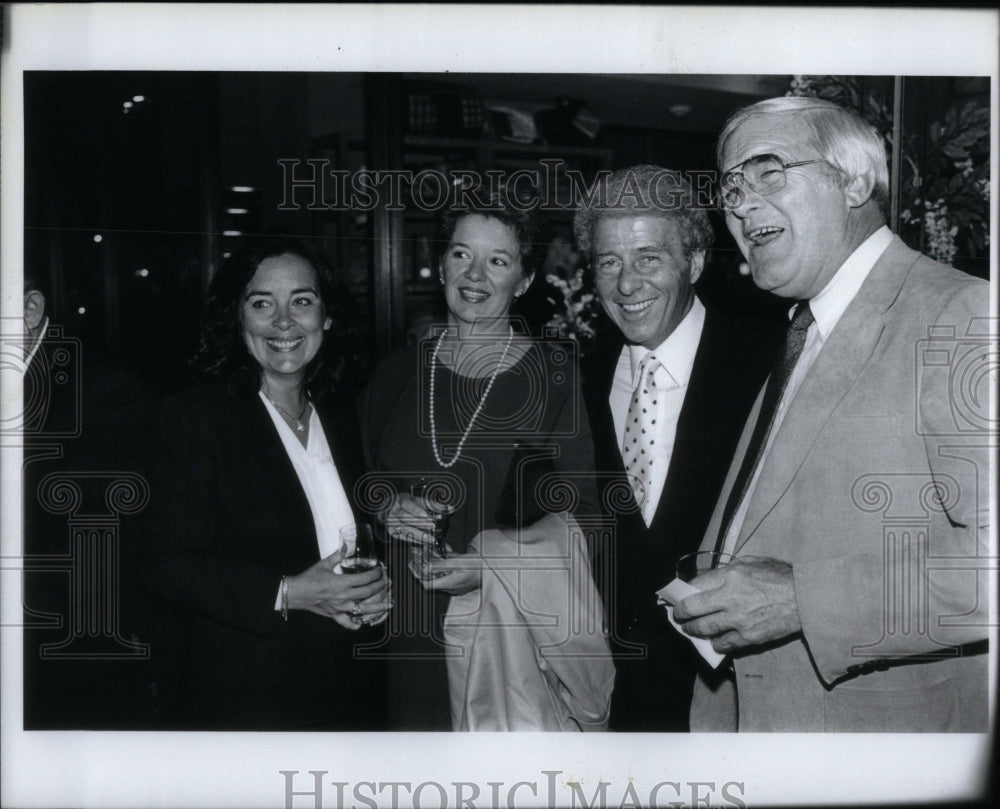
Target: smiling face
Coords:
[(794, 239), (283, 317), (642, 276), (481, 270)]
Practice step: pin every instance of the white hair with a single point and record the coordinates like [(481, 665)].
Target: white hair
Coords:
[(844, 139)]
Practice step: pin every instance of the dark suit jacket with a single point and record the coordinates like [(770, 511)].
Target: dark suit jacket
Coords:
[(227, 519), (655, 666), (85, 430)]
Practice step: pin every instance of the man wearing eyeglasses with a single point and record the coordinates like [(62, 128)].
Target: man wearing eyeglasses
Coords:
[(856, 505), (666, 394)]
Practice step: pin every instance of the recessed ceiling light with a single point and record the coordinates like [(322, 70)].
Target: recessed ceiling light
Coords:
[(232, 233), (138, 99), (241, 189), (236, 210), (98, 238)]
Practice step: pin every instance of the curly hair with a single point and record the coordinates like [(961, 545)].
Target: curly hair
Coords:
[(517, 209), (644, 190), (222, 353)]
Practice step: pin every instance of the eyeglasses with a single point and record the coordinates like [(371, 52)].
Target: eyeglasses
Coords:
[(763, 173)]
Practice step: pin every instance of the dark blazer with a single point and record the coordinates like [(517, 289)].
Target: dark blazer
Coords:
[(655, 666), (85, 431), (227, 519)]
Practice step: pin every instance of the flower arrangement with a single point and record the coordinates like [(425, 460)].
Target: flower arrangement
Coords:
[(577, 312), (944, 189)]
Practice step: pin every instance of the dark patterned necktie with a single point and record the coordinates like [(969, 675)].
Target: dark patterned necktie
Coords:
[(795, 340)]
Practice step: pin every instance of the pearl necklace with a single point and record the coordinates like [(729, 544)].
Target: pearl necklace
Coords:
[(299, 426), (482, 402)]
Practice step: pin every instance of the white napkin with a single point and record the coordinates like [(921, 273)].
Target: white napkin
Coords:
[(671, 594)]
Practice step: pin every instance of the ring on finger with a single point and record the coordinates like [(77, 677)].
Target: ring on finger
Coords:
[(356, 609)]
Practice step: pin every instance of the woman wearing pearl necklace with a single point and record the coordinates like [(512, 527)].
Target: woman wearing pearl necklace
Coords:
[(489, 421)]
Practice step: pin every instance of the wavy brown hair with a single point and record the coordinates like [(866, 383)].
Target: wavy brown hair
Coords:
[(222, 354)]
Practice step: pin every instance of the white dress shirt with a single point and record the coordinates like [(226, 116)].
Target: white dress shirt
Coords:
[(314, 466), (37, 342), (827, 307), (676, 355), (16, 422)]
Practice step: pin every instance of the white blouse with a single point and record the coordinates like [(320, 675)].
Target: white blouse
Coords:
[(317, 473)]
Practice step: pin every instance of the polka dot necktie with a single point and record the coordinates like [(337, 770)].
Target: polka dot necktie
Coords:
[(638, 441)]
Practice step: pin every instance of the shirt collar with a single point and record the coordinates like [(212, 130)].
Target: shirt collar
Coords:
[(829, 304), (37, 342), (676, 352)]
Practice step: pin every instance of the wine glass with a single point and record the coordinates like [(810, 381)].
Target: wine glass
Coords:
[(359, 548), (434, 498)]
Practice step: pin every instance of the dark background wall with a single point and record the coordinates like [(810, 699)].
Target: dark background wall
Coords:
[(130, 205)]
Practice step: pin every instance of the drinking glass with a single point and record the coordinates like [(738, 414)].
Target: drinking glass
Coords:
[(692, 565), (434, 499), (359, 548)]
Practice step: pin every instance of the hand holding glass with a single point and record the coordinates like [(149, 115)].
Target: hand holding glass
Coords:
[(692, 565), (438, 510), (359, 549)]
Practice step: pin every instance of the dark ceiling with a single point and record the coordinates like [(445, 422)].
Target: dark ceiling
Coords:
[(643, 100)]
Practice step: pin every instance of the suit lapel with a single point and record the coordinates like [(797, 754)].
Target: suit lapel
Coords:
[(709, 378), (597, 387), (343, 436), (279, 481), (838, 365)]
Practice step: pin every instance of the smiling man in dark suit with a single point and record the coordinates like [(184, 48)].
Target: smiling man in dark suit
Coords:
[(666, 398)]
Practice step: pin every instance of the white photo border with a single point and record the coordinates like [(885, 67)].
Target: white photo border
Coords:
[(112, 769)]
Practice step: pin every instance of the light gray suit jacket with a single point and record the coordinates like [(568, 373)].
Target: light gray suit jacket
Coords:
[(875, 491)]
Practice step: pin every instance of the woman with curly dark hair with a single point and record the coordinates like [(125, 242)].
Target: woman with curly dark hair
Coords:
[(252, 481), (482, 423)]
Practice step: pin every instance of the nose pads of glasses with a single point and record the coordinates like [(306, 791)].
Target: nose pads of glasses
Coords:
[(733, 197)]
